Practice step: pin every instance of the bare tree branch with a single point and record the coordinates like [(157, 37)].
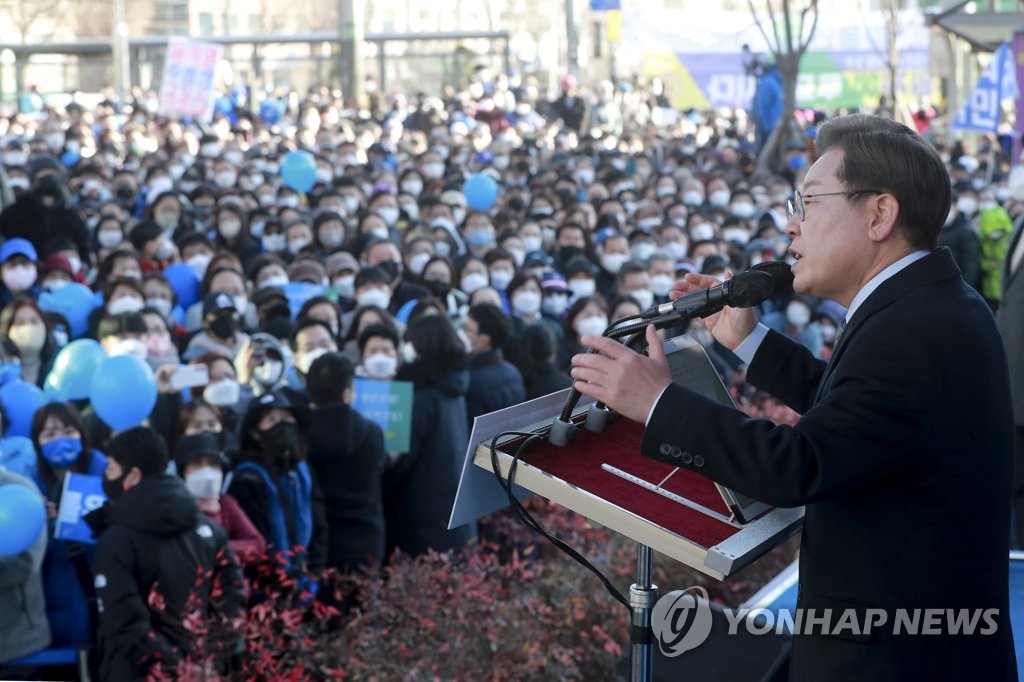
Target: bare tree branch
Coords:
[(789, 26), (773, 47), (805, 42)]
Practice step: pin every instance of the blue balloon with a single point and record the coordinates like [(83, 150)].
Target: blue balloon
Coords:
[(271, 111), (298, 170), (73, 369), (123, 391), (18, 454), (184, 282), (481, 192), (21, 400), (75, 302), (22, 518), (69, 159)]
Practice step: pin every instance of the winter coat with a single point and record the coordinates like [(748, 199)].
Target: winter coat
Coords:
[(966, 248), (346, 452), (159, 560), (494, 384), (23, 629), (29, 219), (420, 488), (246, 542)]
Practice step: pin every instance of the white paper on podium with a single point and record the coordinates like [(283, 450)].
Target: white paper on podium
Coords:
[(479, 493)]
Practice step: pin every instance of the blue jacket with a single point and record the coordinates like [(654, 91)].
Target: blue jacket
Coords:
[(66, 605), (298, 486)]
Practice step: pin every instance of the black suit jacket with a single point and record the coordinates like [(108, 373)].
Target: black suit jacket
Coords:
[(902, 456)]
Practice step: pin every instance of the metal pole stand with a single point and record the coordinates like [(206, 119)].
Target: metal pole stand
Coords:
[(642, 597)]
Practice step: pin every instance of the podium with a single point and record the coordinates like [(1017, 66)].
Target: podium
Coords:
[(603, 477)]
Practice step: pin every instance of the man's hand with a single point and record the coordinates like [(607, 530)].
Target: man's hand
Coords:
[(626, 381), (729, 326)]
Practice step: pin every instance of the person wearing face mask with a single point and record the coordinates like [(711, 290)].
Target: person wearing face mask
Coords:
[(419, 489), (201, 464), (156, 250), (160, 348), (311, 337), (44, 213), (62, 445), (167, 212), (587, 316), (220, 332), (342, 268), (349, 469), (386, 255), (525, 299), (378, 351), (555, 296), (18, 270), (329, 231), (153, 542), (231, 233), (796, 321), (957, 235), (261, 364), (274, 484), (24, 324), (494, 383), (634, 281)]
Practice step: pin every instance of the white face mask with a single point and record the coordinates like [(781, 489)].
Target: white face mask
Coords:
[(743, 209), (158, 186), (408, 352), (133, 347), (643, 250), (613, 262), (582, 287), (555, 305), (376, 297), (472, 282), (719, 198), (526, 302), (675, 249), (29, 338), (645, 297), (433, 170), (661, 284), (223, 393), (532, 244), (19, 278), (275, 281), (109, 239), (229, 228), (161, 305), (693, 198), (413, 187), (967, 206), (389, 214), (797, 314), (274, 243), (205, 483), (346, 286), (167, 220), (296, 245), (125, 304), (380, 366), (592, 326), (702, 232), (500, 279), (418, 262), (198, 263), (164, 251), (241, 303), (269, 373)]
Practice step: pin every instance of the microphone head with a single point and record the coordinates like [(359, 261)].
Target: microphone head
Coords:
[(781, 272), (749, 288)]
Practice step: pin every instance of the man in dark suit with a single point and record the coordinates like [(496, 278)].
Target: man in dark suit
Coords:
[(902, 454), (1011, 324), (346, 453)]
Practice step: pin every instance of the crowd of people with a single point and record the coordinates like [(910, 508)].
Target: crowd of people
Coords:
[(606, 198)]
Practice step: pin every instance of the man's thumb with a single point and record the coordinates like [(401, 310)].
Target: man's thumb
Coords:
[(655, 348)]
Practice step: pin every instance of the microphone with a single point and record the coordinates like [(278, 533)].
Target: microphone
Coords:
[(745, 290), (781, 272)]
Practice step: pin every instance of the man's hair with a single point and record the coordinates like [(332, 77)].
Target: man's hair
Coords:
[(373, 275), (492, 321), (328, 377), (303, 324), (140, 447), (373, 331), (629, 268), (881, 154)]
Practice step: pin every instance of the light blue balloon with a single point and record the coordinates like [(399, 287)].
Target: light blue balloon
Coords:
[(298, 170), (75, 302), (73, 369), (481, 192), (22, 518), (123, 391), (184, 282), (21, 400)]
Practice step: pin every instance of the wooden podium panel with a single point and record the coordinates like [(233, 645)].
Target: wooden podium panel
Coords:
[(603, 477)]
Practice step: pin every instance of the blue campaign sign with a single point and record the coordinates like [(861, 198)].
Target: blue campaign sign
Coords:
[(388, 404), (81, 495), (605, 5)]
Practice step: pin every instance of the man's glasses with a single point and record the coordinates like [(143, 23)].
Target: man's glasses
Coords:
[(796, 206)]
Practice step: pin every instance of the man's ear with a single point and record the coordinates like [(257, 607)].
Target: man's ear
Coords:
[(133, 478), (885, 214)]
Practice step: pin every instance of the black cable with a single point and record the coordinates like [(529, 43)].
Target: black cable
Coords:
[(527, 518)]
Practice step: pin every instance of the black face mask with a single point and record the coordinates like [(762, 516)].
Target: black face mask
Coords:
[(438, 288), (224, 326), (390, 267), (114, 488), (281, 440), (566, 253)]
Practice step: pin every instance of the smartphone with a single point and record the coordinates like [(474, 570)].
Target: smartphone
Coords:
[(190, 376)]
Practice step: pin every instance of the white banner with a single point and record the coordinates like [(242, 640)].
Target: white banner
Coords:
[(187, 88)]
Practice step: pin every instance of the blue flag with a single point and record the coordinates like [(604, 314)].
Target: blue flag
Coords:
[(982, 110)]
